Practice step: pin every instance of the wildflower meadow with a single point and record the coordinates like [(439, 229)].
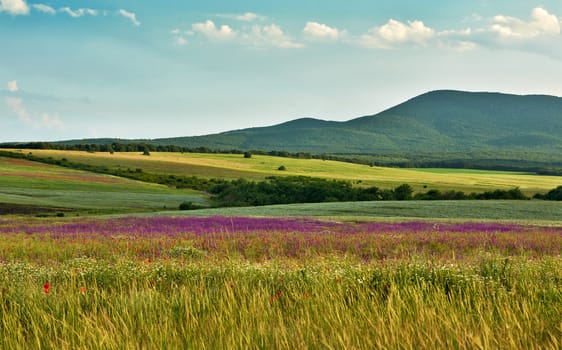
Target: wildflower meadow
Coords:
[(239, 282)]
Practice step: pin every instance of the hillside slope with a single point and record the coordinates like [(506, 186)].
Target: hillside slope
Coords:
[(438, 125), (438, 121)]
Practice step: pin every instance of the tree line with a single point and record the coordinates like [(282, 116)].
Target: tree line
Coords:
[(538, 167), (290, 189)]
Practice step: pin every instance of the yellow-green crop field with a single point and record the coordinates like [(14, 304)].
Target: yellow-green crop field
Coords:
[(258, 167)]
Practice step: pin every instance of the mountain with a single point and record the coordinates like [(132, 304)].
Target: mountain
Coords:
[(439, 121), (434, 126)]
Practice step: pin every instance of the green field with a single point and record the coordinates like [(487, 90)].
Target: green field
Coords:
[(258, 167), (498, 210), (30, 187)]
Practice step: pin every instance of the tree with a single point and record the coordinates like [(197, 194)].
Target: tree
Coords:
[(247, 154), (188, 206), (146, 152), (555, 194), (403, 192)]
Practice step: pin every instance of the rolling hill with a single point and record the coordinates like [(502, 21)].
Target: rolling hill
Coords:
[(435, 122), (442, 124)]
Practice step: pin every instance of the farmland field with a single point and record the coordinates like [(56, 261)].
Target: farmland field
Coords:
[(258, 167), (234, 282), (525, 211), (34, 187)]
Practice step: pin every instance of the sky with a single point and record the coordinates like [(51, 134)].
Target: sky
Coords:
[(152, 69)]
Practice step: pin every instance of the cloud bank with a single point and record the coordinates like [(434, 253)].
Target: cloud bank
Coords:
[(499, 31)]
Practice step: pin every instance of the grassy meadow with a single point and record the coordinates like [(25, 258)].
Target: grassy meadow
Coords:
[(246, 283), (532, 212), (361, 275), (233, 166), (31, 187)]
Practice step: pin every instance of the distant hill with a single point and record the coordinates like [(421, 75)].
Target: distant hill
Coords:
[(436, 123)]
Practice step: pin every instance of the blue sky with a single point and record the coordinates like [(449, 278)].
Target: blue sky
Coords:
[(148, 69)]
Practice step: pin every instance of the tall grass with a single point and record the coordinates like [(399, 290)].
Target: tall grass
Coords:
[(323, 304), (64, 287)]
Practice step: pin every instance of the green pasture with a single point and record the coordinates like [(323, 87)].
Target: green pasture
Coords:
[(526, 211), (258, 167), (30, 184)]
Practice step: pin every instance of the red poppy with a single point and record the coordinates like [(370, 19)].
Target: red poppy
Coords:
[(83, 290), (46, 286)]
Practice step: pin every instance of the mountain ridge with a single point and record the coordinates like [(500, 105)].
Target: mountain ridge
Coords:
[(440, 121)]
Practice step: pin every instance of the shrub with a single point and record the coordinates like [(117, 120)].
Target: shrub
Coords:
[(189, 206), (403, 192), (555, 194), (282, 168), (247, 155)]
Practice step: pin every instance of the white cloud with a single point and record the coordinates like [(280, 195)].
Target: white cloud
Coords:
[(52, 122), (210, 30), (318, 31), (245, 17), (131, 16), (395, 33), (180, 40), (180, 37), (541, 23), (78, 12), (271, 35), (15, 104), (14, 7), (12, 86), (81, 12), (256, 36), (457, 40), (248, 17), (44, 8)]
